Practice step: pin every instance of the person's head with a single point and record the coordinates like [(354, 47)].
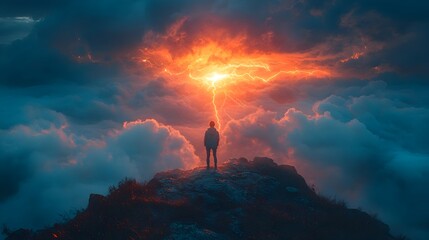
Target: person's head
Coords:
[(212, 124)]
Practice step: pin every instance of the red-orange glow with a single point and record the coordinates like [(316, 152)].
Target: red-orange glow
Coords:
[(221, 64), (213, 63)]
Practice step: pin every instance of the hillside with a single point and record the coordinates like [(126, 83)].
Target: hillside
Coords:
[(242, 200)]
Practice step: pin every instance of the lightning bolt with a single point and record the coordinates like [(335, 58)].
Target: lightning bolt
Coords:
[(217, 77), (219, 68), (216, 112)]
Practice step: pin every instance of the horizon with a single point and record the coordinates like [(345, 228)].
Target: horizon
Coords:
[(92, 92)]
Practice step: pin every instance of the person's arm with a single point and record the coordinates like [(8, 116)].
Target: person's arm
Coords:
[(205, 139), (217, 140)]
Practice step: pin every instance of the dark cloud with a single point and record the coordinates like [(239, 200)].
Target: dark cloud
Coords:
[(69, 79), (367, 36), (42, 65), (14, 28), (54, 171), (37, 9), (370, 149), (13, 172), (24, 149)]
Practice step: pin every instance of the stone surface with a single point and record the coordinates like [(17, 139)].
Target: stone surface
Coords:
[(242, 200)]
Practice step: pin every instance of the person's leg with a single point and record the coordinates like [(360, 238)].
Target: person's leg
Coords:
[(208, 157), (215, 157)]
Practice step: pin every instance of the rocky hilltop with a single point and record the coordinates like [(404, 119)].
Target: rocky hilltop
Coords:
[(242, 200)]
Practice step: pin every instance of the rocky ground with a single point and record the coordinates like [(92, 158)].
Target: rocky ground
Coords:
[(242, 200)]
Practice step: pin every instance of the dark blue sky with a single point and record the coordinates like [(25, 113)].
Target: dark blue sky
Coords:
[(69, 79)]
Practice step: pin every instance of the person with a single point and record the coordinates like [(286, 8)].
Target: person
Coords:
[(211, 142)]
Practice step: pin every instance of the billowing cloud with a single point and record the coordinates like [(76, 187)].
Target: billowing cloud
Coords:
[(47, 172), (72, 72), (14, 28), (369, 149), (154, 147), (357, 38)]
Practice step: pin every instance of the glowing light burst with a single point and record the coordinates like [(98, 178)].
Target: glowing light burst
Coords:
[(220, 68)]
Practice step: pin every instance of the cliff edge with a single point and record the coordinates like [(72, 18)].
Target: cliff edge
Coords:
[(242, 200)]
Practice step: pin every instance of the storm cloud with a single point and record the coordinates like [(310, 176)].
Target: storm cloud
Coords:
[(47, 172), (70, 80), (370, 149)]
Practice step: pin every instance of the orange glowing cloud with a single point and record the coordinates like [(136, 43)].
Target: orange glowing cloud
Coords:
[(220, 61)]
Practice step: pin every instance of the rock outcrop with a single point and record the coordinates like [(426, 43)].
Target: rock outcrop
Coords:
[(242, 200)]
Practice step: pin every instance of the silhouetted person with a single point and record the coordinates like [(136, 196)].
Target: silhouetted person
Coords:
[(211, 141)]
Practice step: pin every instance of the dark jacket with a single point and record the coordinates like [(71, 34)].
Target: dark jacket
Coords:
[(211, 138)]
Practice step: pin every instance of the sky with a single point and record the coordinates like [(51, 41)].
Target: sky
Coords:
[(92, 92)]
